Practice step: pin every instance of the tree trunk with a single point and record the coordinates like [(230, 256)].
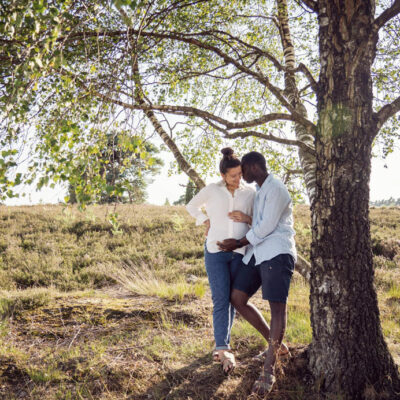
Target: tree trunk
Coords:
[(348, 354)]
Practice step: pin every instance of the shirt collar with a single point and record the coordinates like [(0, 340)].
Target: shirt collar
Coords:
[(223, 184), (265, 183)]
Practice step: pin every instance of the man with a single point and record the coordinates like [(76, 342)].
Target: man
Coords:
[(269, 260)]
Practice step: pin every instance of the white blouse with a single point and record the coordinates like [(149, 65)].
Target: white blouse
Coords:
[(218, 202)]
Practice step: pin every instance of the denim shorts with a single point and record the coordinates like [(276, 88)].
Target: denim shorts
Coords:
[(273, 276)]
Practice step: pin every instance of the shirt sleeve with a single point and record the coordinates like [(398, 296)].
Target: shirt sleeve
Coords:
[(253, 195), (274, 205), (198, 201)]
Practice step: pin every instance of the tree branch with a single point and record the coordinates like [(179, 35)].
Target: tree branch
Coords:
[(180, 159), (189, 111), (208, 117), (387, 15), (386, 112), (311, 4), (310, 127), (205, 115), (313, 83), (272, 138), (291, 172), (278, 93)]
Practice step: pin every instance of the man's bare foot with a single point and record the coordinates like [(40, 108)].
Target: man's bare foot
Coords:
[(282, 354), (264, 383)]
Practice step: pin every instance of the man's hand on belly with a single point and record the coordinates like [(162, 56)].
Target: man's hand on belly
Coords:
[(232, 244)]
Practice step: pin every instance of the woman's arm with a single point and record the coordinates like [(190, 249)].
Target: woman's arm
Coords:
[(239, 216), (198, 201)]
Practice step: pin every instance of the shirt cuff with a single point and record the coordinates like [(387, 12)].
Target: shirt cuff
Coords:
[(200, 219), (253, 238)]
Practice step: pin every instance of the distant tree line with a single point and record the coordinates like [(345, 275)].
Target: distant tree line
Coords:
[(390, 202), (190, 191)]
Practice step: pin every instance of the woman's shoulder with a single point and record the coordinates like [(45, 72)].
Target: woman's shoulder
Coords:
[(247, 189), (215, 185)]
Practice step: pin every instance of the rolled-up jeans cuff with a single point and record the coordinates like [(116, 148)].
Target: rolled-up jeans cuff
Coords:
[(222, 348)]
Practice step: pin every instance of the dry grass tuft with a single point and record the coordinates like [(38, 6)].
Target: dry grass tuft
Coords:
[(144, 280)]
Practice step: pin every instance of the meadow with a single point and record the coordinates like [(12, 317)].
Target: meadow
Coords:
[(113, 303)]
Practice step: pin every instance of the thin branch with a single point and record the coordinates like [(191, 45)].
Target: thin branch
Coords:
[(290, 172), (192, 111), (387, 15), (259, 76), (313, 83), (188, 111), (271, 138), (311, 4), (170, 143), (208, 117), (386, 112), (310, 127)]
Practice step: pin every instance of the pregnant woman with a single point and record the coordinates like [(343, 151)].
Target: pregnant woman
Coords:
[(228, 208)]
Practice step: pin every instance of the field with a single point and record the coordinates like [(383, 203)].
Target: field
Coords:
[(113, 303)]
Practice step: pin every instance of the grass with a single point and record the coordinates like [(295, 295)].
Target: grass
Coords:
[(394, 291), (93, 309), (17, 301), (145, 280)]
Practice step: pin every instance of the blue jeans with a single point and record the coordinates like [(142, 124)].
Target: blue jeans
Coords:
[(222, 267)]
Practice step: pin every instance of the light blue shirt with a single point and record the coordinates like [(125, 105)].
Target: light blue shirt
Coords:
[(272, 230)]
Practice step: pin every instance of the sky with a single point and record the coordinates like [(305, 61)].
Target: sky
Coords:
[(385, 183)]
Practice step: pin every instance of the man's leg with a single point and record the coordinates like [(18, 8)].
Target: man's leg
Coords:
[(277, 331), (245, 282), (249, 312), (276, 276)]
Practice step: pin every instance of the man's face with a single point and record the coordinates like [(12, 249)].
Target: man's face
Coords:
[(247, 173)]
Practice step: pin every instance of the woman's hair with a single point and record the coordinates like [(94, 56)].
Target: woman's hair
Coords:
[(229, 160)]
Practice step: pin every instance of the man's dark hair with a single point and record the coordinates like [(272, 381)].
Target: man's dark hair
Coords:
[(254, 157)]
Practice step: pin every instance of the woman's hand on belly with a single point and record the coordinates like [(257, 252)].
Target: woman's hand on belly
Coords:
[(239, 216)]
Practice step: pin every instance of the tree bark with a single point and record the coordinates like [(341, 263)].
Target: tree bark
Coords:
[(348, 354), (307, 160), (180, 159)]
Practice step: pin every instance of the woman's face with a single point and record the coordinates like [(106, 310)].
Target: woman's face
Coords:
[(233, 176)]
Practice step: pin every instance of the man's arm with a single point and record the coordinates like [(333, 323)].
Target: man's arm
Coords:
[(232, 244)]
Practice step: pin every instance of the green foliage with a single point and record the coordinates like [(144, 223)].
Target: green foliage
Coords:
[(67, 82), (125, 167), (74, 85), (113, 220)]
